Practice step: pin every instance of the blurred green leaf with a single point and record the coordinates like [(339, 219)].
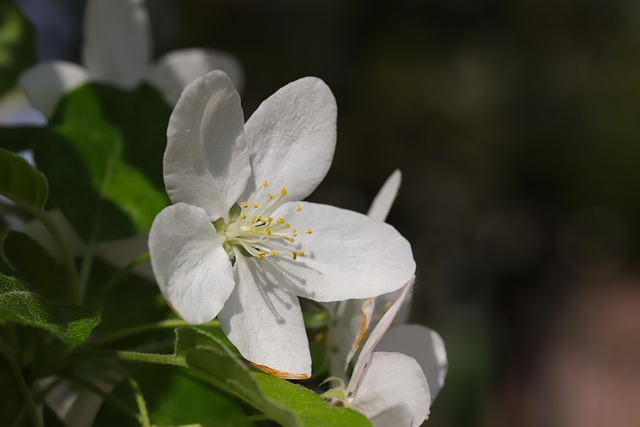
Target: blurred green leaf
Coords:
[(12, 402), (34, 265), (18, 138), (175, 396), (72, 324), (22, 183), (17, 44), (287, 403), (103, 160)]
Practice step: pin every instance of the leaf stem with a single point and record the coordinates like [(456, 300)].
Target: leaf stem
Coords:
[(163, 324)]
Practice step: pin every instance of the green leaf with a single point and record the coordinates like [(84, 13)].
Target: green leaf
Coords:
[(34, 265), (175, 396), (22, 183), (17, 44), (72, 324), (103, 159), (287, 403)]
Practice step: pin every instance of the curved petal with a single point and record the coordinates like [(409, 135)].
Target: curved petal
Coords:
[(378, 332), (192, 269), (16, 110), (392, 378), (291, 138), (386, 196), (46, 83), (347, 256), (265, 323), (206, 163), (175, 70), (424, 345), (393, 416), (347, 332), (117, 41)]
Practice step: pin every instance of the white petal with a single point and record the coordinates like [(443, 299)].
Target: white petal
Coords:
[(46, 83), (378, 332), (424, 345), (265, 323), (175, 70), (206, 163), (398, 415), (383, 302), (117, 45), (346, 334), (292, 137), (386, 196), (192, 269), (392, 378), (347, 256), (16, 110)]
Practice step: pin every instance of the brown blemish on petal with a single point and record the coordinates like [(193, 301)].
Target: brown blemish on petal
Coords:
[(361, 332), (280, 374)]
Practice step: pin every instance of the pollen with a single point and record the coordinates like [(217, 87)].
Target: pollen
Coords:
[(283, 192), (256, 205), (243, 215), (307, 232), (267, 231), (294, 255), (270, 196), (299, 207), (272, 253), (260, 255), (244, 204), (300, 252), (265, 184)]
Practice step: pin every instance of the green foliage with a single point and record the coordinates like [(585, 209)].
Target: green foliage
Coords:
[(22, 183), (70, 323), (287, 403), (17, 44), (103, 159)]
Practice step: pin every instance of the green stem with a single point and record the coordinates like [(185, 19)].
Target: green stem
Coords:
[(164, 324), (159, 359), (8, 354), (142, 406), (65, 252), (119, 275)]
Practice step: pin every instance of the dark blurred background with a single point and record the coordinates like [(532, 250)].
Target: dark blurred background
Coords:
[(515, 125)]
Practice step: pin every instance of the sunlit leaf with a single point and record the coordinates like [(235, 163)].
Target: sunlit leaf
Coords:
[(17, 44), (18, 304)]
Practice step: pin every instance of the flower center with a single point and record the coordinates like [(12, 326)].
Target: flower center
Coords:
[(258, 234)]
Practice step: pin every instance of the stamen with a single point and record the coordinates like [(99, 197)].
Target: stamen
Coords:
[(244, 205), (294, 255), (272, 253), (243, 215), (298, 208), (260, 255), (256, 206), (300, 252), (283, 192), (265, 184), (308, 232)]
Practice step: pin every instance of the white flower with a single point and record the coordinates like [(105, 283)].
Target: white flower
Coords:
[(390, 387), (117, 50), (229, 246)]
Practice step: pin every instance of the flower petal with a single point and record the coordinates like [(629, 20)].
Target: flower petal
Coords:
[(16, 110), (192, 269), (424, 345), (117, 45), (378, 332), (265, 323), (347, 256), (175, 70), (206, 162), (393, 416), (346, 335), (386, 196), (392, 378), (291, 138), (46, 83)]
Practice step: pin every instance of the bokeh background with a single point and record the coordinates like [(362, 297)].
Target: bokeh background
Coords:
[(516, 127)]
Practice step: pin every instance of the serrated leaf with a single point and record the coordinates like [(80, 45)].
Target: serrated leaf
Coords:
[(103, 159), (287, 403), (22, 183), (72, 324)]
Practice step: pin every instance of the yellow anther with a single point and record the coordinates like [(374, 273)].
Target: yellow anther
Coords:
[(255, 219), (272, 253), (270, 196), (244, 204), (243, 215), (253, 229), (269, 220), (283, 192), (300, 252), (294, 255), (299, 207), (287, 226), (267, 231), (260, 255), (308, 232), (280, 220), (291, 239), (256, 206), (294, 232), (265, 184)]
